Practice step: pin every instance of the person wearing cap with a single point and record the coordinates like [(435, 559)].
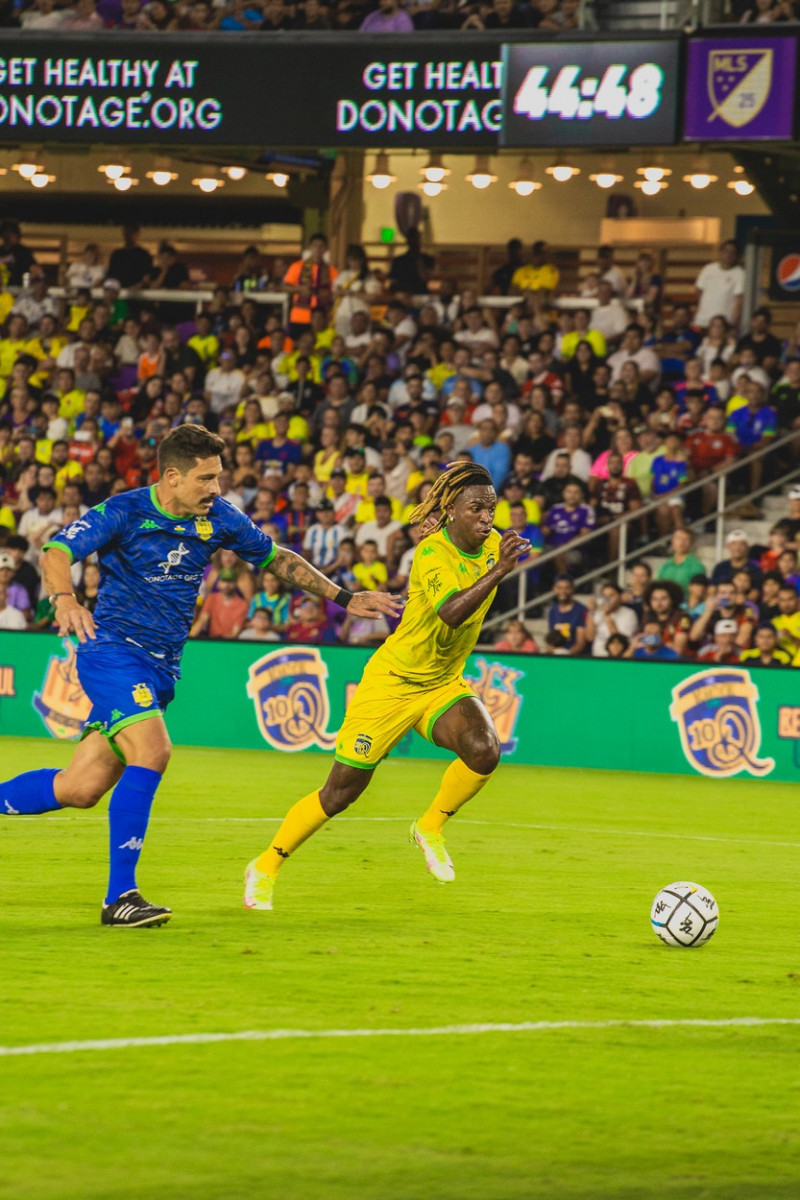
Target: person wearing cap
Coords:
[(723, 648), (766, 652), (739, 558)]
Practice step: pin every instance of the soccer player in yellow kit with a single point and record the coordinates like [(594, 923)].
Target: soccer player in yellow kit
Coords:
[(414, 680)]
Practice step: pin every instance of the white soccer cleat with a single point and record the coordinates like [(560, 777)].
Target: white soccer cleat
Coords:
[(437, 860), (258, 888)]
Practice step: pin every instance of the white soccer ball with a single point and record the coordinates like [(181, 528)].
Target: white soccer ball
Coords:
[(684, 914)]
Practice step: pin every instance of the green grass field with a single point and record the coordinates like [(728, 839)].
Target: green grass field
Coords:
[(548, 921)]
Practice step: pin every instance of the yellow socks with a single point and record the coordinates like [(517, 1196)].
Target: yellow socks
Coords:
[(303, 819), (459, 784)]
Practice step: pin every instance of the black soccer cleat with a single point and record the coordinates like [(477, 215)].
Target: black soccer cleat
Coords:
[(132, 911)]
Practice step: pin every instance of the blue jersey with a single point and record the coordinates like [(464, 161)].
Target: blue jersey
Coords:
[(668, 474), (751, 427), (152, 564)]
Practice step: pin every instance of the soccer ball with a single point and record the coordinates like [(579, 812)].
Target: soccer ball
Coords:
[(684, 914)]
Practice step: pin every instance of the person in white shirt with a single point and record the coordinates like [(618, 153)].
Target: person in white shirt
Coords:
[(88, 271), (609, 316), (322, 539), (607, 616), (381, 529), (476, 334), (224, 383), (720, 287), (42, 15), (580, 463), (632, 350), (607, 270), (10, 617)]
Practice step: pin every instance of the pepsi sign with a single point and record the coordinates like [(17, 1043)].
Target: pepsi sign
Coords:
[(784, 281)]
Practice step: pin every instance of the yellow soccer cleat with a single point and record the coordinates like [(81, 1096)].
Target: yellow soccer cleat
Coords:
[(437, 860), (258, 888)]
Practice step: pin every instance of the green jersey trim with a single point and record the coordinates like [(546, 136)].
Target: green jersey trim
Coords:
[(163, 511), (463, 553), (446, 596), (59, 546), (269, 557)]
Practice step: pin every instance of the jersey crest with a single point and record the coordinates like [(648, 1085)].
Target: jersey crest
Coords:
[(289, 691), (203, 528), (142, 696)]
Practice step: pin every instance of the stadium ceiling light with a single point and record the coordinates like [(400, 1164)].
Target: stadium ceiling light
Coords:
[(432, 187), (651, 187), (161, 174), (525, 184), (654, 173), (40, 180), (562, 172), (605, 179), (434, 171), (125, 183), (380, 176), (114, 171), (26, 170), (279, 178), (208, 183), (700, 179), (742, 187), (235, 174), (480, 176)]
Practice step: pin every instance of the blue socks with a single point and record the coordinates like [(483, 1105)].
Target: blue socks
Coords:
[(128, 814), (29, 794)]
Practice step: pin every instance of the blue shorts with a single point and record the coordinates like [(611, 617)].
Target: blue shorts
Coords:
[(124, 684)]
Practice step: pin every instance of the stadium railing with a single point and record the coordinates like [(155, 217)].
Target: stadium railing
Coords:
[(175, 295), (723, 510)]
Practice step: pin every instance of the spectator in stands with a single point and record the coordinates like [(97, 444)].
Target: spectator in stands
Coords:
[(516, 638), (564, 522), (17, 258), (131, 265), (754, 426), (608, 616), (502, 277), (649, 644), (224, 612), (311, 280), (766, 652), (682, 566), (567, 618), (538, 279), (765, 346), (670, 472), (632, 350), (609, 316), (645, 283), (389, 17), (709, 448), (410, 273), (491, 453), (723, 648), (725, 602), (720, 287), (662, 603)]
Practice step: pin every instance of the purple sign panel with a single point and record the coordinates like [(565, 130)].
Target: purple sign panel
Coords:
[(740, 89)]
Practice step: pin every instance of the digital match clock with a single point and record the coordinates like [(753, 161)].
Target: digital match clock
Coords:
[(589, 93)]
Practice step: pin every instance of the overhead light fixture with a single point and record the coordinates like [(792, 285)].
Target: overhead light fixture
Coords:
[(279, 178), (114, 171), (161, 174), (235, 173), (40, 179), (481, 176), (26, 170), (380, 176), (525, 184), (562, 172), (125, 183), (605, 179), (742, 187), (208, 183), (432, 187), (700, 179), (654, 173), (651, 187), (434, 171)]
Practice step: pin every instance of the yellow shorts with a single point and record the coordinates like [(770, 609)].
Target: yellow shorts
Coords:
[(384, 709)]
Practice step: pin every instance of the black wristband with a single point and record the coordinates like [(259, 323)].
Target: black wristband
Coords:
[(343, 597)]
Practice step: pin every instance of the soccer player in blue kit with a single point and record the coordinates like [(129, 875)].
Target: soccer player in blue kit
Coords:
[(153, 545)]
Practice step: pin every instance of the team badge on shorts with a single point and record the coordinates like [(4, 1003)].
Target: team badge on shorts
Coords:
[(363, 745), (142, 696), (717, 717), (289, 692), (203, 528)]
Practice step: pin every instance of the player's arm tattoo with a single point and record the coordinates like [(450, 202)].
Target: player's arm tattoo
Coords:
[(292, 569)]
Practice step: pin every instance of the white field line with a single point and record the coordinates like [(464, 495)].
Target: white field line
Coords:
[(282, 1035), (636, 833)]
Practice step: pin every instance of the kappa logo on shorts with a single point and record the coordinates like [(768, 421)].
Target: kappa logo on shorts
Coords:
[(142, 696), (62, 703), (362, 745), (717, 717), (288, 688), (496, 687)]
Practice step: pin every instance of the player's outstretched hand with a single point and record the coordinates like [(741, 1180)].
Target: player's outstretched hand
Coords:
[(512, 548), (374, 605), (72, 617)]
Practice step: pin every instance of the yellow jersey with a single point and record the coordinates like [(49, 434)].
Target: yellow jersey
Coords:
[(423, 650), (788, 623)]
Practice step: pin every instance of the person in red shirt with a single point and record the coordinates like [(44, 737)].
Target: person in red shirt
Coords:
[(309, 621), (310, 280), (662, 601), (224, 612), (723, 649), (708, 450), (144, 470)]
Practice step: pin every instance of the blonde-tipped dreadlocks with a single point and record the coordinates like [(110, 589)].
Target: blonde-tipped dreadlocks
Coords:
[(445, 488)]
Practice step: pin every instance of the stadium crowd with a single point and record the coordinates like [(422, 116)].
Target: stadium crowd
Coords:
[(277, 16), (337, 422)]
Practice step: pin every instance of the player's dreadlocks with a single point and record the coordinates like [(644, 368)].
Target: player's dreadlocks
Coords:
[(445, 488)]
